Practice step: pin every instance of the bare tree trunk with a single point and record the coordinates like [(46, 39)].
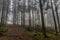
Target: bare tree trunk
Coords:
[(16, 12), (2, 17), (29, 19), (33, 18), (54, 18), (42, 19), (24, 6), (29, 28), (33, 13), (21, 18), (14, 18), (38, 18), (57, 16), (7, 11)]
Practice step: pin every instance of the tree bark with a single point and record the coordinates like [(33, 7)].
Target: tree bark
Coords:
[(2, 17), (54, 18), (57, 16), (42, 19)]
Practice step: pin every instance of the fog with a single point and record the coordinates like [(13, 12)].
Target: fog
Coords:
[(16, 11)]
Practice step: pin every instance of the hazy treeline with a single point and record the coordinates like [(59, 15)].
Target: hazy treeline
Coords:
[(20, 12)]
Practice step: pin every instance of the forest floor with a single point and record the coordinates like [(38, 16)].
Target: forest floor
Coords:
[(19, 33)]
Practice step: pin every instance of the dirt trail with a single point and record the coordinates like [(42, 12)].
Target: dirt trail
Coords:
[(16, 33)]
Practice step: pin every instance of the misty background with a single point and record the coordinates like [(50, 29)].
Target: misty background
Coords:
[(27, 12)]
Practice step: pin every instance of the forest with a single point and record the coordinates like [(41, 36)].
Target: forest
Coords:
[(29, 19)]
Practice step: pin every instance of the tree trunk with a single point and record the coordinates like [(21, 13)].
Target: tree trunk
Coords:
[(57, 16), (6, 11), (14, 18), (24, 13), (2, 17), (54, 18), (42, 19)]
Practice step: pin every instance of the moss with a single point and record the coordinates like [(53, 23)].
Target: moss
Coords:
[(39, 35), (3, 29), (36, 35), (51, 35)]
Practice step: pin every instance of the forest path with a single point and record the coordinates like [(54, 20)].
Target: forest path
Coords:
[(16, 33), (19, 33)]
